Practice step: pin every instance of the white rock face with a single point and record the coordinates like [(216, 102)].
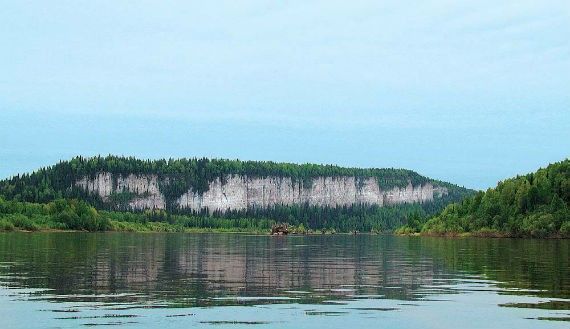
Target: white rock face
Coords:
[(240, 192), (145, 187)]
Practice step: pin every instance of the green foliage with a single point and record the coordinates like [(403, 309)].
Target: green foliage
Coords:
[(360, 217), (60, 214), (534, 205), (21, 221), (6, 225), (64, 214), (73, 214), (565, 229), (162, 221), (300, 229), (405, 230)]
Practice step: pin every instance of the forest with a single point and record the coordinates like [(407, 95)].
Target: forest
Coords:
[(73, 214), (532, 205), (49, 198)]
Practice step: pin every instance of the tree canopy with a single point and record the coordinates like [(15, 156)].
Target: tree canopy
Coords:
[(536, 204)]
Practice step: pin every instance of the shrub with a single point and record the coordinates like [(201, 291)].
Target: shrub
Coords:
[(23, 222), (565, 229), (5, 225), (539, 225), (405, 230)]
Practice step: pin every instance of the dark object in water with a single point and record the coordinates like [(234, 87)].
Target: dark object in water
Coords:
[(279, 229)]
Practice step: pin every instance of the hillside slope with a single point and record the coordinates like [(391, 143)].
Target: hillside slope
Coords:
[(536, 204)]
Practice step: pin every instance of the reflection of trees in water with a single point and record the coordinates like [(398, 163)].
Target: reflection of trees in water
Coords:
[(195, 268), (539, 265)]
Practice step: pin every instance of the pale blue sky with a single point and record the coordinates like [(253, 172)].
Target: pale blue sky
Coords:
[(465, 91)]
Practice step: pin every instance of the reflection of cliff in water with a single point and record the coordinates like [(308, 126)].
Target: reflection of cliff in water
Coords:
[(196, 269)]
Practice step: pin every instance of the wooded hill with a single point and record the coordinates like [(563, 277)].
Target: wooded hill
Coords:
[(58, 182), (536, 204)]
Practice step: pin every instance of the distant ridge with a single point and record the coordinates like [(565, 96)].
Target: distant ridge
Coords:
[(128, 183)]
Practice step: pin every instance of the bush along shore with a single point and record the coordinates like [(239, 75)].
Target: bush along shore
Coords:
[(76, 215), (534, 205)]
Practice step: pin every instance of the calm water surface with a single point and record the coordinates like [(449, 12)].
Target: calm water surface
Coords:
[(70, 280)]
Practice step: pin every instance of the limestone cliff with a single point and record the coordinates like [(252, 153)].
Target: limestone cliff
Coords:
[(236, 192)]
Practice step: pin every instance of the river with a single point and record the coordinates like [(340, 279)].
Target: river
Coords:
[(134, 280)]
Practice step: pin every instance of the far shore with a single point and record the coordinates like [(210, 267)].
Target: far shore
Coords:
[(478, 234), (173, 229)]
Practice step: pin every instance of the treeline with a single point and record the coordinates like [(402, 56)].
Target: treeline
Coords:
[(63, 214), (339, 219), (177, 176), (58, 215), (536, 205), (358, 217)]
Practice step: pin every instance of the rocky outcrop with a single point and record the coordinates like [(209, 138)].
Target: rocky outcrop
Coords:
[(237, 192), (145, 188)]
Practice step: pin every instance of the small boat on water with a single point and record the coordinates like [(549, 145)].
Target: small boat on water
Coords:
[(280, 229)]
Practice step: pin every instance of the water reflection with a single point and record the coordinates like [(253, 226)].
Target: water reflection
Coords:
[(122, 272)]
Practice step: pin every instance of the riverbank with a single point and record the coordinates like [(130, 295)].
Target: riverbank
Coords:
[(22, 225), (163, 228), (158, 227), (139, 223), (479, 234), (142, 223), (77, 215)]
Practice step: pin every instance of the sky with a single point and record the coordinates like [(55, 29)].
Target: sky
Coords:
[(469, 92)]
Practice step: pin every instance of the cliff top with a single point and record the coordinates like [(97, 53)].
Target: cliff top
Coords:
[(195, 173)]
